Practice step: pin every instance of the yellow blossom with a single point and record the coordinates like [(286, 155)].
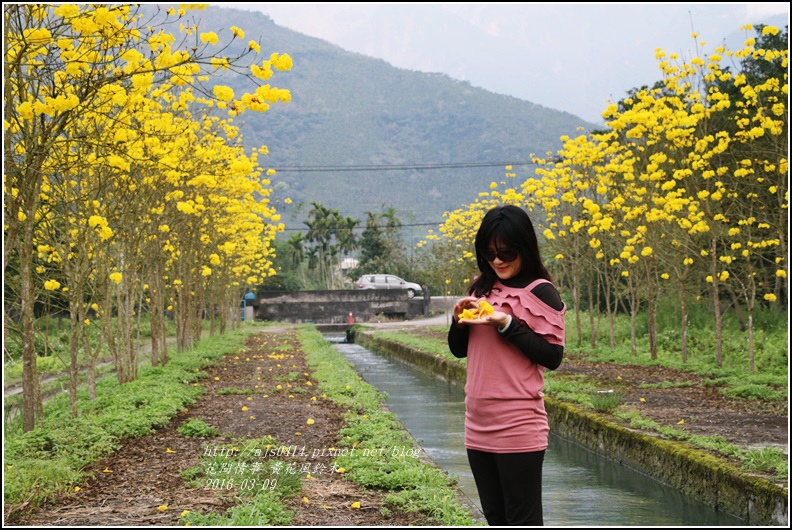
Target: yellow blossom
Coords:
[(223, 93), (209, 37)]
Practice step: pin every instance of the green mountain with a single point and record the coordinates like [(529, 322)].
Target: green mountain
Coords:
[(351, 110)]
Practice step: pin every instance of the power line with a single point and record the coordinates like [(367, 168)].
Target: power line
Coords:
[(361, 227), (398, 167)]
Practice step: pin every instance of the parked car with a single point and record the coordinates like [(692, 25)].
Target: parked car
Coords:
[(387, 281)]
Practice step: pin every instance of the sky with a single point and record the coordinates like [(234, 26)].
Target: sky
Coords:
[(573, 57)]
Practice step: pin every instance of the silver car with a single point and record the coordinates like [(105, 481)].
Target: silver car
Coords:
[(387, 281)]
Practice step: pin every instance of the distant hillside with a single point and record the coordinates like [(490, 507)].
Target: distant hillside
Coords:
[(349, 109)]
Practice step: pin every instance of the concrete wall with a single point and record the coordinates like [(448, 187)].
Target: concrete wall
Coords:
[(333, 307)]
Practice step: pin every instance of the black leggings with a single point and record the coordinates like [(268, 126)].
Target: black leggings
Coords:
[(509, 486)]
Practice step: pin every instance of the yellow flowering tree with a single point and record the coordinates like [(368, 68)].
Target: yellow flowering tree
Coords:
[(71, 70), (685, 191)]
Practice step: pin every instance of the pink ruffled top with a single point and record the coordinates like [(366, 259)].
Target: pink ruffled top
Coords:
[(504, 407)]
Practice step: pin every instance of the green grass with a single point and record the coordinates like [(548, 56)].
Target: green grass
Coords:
[(196, 427), (606, 402), (257, 489)]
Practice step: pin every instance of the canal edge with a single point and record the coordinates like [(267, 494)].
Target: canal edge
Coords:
[(423, 456), (693, 472)]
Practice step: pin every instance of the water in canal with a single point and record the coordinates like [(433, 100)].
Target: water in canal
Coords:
[(580, 488)]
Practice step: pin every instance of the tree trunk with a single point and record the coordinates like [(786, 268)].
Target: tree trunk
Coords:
[(651, 308), (154, 323), (683, 303), (716, 303), (738, 310), (633, 317), (592, 323), (31, 393), (107, 327), (751, 341), (74, 345)]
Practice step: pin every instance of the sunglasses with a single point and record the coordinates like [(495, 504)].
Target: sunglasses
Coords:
[(504, 254)]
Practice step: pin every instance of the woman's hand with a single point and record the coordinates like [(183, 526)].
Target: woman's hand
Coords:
[(497, 318), (468, 310), (469, 302)]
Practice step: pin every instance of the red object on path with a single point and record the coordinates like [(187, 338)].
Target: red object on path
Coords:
[(351, 319)]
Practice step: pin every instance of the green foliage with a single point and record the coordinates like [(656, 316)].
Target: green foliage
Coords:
[(573, 389), (198, 427), (260, 492), (754, 391), (606, 402), (34, 477), (768, 460), (265, 509)]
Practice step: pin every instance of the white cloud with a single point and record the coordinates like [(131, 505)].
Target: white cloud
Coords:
[(759, 10)]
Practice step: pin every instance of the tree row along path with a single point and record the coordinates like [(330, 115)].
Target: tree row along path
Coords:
[(273, 394)]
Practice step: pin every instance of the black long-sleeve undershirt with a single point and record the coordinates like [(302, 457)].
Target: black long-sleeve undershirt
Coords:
[(534, 346)]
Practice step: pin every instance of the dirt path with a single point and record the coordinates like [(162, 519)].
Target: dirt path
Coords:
[(141, 484)]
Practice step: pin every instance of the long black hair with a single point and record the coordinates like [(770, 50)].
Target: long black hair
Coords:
[(511, 226)]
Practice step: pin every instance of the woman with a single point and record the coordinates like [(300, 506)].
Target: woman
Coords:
[(510, 327)]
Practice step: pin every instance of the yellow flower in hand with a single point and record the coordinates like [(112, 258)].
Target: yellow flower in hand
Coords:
[(483, 309), (467, 314)]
